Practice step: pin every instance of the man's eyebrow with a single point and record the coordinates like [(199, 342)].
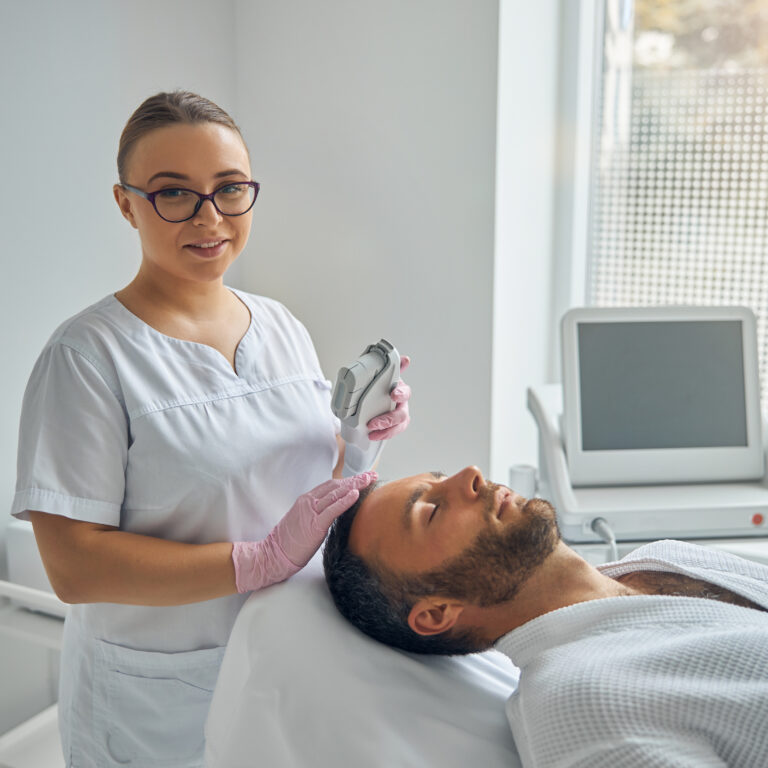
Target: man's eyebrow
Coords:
[(414, 497), (408, 506), (184, 177)]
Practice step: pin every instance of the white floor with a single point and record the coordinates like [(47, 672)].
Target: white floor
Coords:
[(34, 743)]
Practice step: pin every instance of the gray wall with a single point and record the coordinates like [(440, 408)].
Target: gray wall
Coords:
[(372, 128)]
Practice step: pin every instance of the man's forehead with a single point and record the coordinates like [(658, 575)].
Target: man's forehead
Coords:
[(405, 488), (382, 509)]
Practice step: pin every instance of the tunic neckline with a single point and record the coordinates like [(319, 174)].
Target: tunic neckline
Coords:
[(176, 340)]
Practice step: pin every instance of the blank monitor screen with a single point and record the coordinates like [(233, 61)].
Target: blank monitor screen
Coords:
[(661, 385)]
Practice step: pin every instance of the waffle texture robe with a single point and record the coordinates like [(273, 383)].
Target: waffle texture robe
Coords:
[(645, 681)]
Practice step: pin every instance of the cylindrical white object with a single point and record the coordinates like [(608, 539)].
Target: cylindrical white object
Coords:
[(522, 479), (357, 460)]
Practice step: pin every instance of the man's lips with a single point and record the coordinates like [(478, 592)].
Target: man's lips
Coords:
[(507, 499), (504, 503)]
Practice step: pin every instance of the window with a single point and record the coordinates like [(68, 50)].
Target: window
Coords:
[(679, 176)]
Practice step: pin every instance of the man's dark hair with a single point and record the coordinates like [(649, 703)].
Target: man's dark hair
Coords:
[(378, 601)]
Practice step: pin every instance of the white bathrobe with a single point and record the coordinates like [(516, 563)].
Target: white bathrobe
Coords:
[(647, 680)]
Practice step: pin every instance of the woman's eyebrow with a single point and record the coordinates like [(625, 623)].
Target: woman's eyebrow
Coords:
[(184, 177), (230, 172), (167, 174)]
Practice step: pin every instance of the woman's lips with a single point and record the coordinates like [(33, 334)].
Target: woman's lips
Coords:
[(209, 249)]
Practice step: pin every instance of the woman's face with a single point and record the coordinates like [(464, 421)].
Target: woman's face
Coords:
[(200, 157)]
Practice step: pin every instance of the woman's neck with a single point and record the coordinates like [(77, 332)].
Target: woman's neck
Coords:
[(150, 295)]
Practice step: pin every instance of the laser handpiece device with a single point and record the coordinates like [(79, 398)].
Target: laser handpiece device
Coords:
[(362, 392)]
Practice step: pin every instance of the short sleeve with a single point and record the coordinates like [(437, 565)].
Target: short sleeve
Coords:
[(73, 441)]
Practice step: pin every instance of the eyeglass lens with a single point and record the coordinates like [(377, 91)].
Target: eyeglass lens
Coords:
[(180, 204)]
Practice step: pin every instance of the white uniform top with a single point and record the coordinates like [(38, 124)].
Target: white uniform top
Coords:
[(125, 426), (647, 680)]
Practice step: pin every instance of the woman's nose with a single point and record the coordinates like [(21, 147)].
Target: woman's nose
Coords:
[(207, 213), (470, 481)]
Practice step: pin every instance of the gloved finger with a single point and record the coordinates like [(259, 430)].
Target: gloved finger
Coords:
[(321, 491), (401, 393), (323, 521), (397, 422), (389, 419), (324, 488), (405, 361), (343, 487)]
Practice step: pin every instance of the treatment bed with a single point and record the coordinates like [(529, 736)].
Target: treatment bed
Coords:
[(301, 687)]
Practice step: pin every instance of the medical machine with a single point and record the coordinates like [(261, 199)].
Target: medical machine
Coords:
[(656, 431), (362, 392), (661, 395)]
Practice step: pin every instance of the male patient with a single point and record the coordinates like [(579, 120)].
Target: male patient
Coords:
[(660, 659)]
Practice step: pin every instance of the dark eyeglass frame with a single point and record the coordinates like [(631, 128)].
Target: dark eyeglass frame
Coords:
[(201, 198)]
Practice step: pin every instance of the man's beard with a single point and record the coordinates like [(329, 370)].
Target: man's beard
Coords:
[(494, 567)]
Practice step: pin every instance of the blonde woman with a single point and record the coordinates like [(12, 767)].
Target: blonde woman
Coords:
[(159, 426)]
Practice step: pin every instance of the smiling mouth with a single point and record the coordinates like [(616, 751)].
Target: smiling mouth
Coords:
[(210, 244)]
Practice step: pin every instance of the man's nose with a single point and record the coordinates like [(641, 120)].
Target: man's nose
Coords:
[(469, 482)]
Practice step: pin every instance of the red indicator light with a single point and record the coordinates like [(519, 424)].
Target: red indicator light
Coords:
[(757, 519)]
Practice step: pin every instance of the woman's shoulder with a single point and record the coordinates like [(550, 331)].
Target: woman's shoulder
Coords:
[(93, 325), (84, 341)]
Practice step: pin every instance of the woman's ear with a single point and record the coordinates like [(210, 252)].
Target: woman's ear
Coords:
[(124, 204), (434, 615)]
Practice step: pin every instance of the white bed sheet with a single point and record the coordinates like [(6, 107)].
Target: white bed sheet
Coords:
[(301, 687)]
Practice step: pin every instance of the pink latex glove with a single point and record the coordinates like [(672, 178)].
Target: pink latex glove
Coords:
[(292, 542), (393, 423)]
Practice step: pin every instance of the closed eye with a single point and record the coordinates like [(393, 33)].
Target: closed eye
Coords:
[(433, 513)]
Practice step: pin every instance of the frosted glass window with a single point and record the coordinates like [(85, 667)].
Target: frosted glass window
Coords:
[(680, 178)]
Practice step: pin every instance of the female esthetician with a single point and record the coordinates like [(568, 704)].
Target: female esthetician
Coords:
[(159, 426)]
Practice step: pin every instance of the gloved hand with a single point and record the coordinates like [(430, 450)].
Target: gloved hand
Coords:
[(292, 542), (390, 424)]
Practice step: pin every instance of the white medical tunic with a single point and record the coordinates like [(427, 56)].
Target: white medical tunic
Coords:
[(125, 426), (647, 680)]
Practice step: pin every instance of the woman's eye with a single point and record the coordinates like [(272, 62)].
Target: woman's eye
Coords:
[(173, 194), (231, 189)]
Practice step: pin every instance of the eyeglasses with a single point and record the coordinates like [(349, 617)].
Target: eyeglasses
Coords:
[(178, 204)]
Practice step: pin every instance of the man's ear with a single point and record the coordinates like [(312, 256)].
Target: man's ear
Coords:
[(434, 615), (124, 204)]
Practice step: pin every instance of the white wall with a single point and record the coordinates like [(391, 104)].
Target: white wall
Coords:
[(70, 75), (372, 128), (525, 198)]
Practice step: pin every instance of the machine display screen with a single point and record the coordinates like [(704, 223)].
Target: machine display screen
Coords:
[(661, 384)]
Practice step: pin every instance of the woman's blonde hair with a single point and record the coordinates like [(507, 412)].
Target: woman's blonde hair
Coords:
[(175, 107)]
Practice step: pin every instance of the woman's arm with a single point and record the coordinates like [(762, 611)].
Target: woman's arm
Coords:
[(90, 563)]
